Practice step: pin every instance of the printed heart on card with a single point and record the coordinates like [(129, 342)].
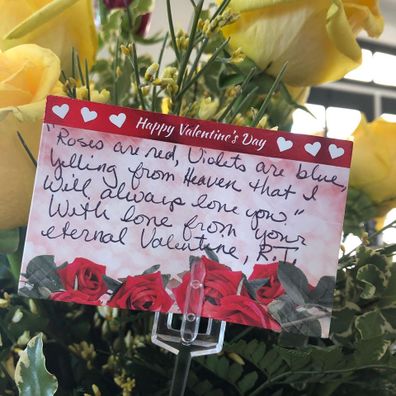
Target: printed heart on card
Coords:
[(312, 148), (61, 111), (336, 152), (118, 120), (88, 115), (284, 144)]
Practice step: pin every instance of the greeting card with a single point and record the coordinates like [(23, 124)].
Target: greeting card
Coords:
[(125, 200)]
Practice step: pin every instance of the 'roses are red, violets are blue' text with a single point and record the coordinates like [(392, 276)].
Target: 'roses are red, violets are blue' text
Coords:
[(177, 182)]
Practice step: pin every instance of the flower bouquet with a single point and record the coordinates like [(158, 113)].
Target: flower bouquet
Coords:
[(246, 63)]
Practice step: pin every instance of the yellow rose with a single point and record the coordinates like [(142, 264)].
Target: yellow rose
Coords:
[(28, 73), (316, 37), (58, 25), (374, 162)]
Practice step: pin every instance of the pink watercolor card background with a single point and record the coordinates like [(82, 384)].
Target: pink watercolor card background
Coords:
[(125, 200)]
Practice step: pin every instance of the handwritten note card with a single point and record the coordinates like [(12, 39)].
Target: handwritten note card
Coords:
[(124, 197)]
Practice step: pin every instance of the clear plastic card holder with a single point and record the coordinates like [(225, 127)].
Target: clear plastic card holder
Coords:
[(186, 341)]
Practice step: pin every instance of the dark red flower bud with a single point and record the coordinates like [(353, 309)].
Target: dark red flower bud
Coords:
[(110, 4), (144, 25)]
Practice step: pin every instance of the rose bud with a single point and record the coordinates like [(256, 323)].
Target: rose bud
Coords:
[(110, 4), (144, 26)]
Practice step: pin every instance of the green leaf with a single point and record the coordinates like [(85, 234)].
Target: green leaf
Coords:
[(323, 292), (27, 321), (373, 280), (247, 382), (294, 358), (371, 324), (31, 375), (230, 80), (9, 241), (343, 319), (291, 340), (222, 367), (294, 282), (234, 373), (371, 351), (216, 392), (254, 351), (142, 6), (329, 358), (390, 316), (359, 209), (212, 77), (273, 363), (389, 294)]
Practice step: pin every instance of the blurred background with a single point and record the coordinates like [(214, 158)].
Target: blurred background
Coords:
[(370, 89)]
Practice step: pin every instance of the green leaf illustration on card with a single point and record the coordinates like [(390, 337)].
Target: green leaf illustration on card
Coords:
[(152, 269), (31, 375), (300, 309), (294, 282), (295, 319), (165, 279), (323, 292), (253, 286), (111, 283), (211, 254), (42, 277)]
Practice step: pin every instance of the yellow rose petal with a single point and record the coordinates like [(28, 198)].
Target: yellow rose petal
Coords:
[(60, 31), (373, 162), (316, 38), (43, 15), (33, 73), (39, 69)]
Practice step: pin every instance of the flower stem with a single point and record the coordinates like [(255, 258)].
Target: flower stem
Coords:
[(137, 77), (87, 80), (267, 99), (116, 63), (237, 97), (172, 30), (186, 57), (154, 97), (197, 59), (202, 71), (79, 68), (25, 146), (243, 103), (221, 8), (74, 88)]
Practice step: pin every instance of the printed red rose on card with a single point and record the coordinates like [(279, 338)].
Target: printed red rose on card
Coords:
[(125, 201)]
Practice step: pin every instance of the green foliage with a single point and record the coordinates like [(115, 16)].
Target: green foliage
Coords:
[(110, 348), (300, 309), (359, 209), (31, 376), (9, 241)]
